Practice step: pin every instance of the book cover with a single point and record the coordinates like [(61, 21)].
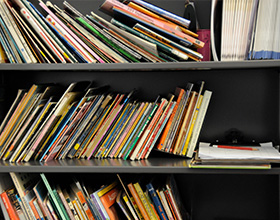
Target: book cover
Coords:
[(108, 198)]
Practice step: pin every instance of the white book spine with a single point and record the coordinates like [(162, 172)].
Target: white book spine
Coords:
[(199, 121)]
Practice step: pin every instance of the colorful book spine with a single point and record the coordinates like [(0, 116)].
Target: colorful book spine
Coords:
[(138, 201), (9, 207), (164, 13), (156, 201)]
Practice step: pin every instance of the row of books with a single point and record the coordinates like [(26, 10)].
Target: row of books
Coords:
[(38, 196), (139, 32), (49, 122), (249, 30)]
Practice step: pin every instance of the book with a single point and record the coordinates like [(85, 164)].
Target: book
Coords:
[(41, 193), (122, 205), (24, 50), (77, 41), (144, 201), (108, 5), (147, 133), (9, 206), (158, 129), (164, 13), (156, 201), (108, 198), (129, 201), (138, 201), (21, 182), (58, 206), (82, 199), (199, 121), (98, 204)]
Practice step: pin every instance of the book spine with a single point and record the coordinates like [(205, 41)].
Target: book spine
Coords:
[(98, 205), (34, 210), (21, 194), (43, 36), (9, 207), (72, 208), (138, 201), (158, 130), (144, 201), (156, 201), (173, 17), (199, 122), (188, 136), (85, 205)]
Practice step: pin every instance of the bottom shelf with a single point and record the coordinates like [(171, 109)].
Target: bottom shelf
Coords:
[(199, 196)]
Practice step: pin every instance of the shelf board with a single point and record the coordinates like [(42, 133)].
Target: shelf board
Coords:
[(143, 66), (152, 165)]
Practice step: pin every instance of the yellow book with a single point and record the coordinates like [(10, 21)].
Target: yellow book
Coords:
[(107, 189), (191, 126), (144, 201), (14, 121)]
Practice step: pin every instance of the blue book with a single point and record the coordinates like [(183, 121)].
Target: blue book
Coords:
[(156, 201)]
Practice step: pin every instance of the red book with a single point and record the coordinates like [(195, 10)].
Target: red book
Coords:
[(9, 207)]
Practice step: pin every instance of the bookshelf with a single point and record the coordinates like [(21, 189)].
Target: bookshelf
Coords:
[(245, 96)]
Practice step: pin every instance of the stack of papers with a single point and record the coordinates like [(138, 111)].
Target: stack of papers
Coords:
[(214, 157)]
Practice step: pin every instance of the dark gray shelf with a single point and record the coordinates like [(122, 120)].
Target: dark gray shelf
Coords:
[(143, 66), (152, 165)]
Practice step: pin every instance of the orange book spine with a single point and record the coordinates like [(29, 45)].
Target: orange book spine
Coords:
[(108, 201), (162, 140), (36, 214), (85, 205), (138, 201), (9, 207)]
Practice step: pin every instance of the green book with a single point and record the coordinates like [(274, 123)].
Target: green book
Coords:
[(57, 203)]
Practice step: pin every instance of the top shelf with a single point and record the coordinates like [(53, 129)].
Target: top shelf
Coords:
[(250, 64)]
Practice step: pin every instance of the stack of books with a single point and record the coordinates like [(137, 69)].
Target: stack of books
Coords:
[(139, 32), (48, 122), (38, 196)]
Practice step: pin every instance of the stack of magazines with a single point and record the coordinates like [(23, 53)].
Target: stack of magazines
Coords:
[(138, 32)]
